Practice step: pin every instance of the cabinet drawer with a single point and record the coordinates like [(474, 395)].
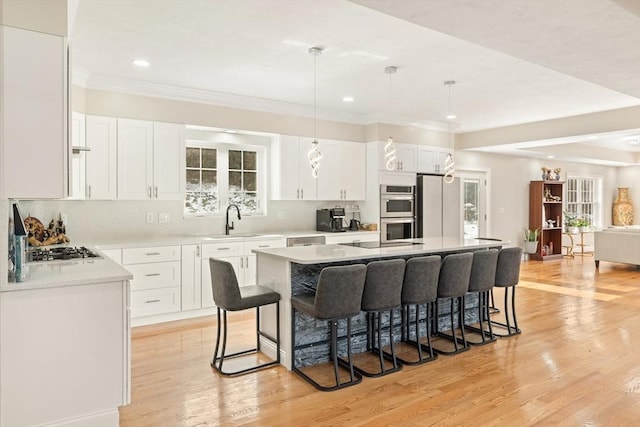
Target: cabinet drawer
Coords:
[(263, 244), (155, 275), (155, 301), (152, 254), (225, 249)]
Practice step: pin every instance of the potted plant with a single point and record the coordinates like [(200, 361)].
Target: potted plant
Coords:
[(531, 240), (583, 224), (572, 222)]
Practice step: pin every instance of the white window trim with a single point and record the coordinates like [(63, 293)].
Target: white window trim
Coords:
[(222, 166), (599, 220)]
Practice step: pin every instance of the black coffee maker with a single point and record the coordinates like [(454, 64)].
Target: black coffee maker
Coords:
[(331, 220)]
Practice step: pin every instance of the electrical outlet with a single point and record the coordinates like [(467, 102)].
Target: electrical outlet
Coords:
[(163, 217), (150, 218)]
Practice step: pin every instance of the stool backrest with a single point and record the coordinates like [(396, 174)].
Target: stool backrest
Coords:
[(339, 291), (383, 286), (508, 269), (224, 284), (454, 275), (421, 280), (483, 270)]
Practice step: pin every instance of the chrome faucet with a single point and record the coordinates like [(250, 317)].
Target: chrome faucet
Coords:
[(228, 227)]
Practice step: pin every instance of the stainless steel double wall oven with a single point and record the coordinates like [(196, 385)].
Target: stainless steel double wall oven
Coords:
[(397, 212)]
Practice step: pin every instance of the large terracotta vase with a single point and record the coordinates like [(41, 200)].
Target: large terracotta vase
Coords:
[(622, 208)]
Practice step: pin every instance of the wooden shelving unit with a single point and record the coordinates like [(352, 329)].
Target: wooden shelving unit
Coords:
[(545, 203)]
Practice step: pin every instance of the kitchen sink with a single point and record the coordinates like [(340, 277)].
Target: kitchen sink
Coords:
[(237, 235)]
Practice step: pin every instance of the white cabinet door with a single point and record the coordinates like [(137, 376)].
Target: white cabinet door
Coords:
[(291, 174), (330, 173), (406, 157), (191, 277), (168, 161), (354, 170), (426, 159), (78, 156), (441, 157), (101, 160), (34, 118), (135, 159)]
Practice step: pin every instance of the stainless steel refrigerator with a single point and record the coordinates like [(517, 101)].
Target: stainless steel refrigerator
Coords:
[(439, 207)]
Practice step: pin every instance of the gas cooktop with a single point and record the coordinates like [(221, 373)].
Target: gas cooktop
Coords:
[(60, 253)]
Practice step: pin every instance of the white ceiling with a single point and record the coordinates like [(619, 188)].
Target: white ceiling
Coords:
[(515, 61)]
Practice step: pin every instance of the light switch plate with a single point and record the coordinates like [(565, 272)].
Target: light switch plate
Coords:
[(150, 217), (163, 217)]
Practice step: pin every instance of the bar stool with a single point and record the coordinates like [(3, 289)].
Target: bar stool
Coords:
[(453, 284), (228, 296), (382, 292), (483, 275), (337, 297), (507, 277), (420, 288)]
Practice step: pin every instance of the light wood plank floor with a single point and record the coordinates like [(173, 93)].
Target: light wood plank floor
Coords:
[(577, 363)]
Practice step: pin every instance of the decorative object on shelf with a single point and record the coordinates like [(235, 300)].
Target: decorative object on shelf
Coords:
[(314, 154), (449, 164), (546, 173), (623, 208), (556, 171), (550, 223), (531, 240), (390, 148), (39, 236), (548, 197)]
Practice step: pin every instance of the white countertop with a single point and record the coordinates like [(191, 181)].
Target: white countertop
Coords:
[(74, 272), (334, 253), (186, 239)]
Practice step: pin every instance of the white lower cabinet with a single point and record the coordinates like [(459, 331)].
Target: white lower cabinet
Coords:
[(191, 297), (156, 284), (351, 238)]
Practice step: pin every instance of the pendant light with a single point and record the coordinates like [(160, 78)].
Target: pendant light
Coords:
[(390, 147), (314, 154), (449, 164)]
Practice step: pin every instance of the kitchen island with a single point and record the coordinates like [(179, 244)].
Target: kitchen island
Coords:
[(291, 271), (65, 344)]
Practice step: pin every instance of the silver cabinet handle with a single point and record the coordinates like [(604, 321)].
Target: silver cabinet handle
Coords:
[(223, 249), (264, 246), (241, 262), (152, 274), (298, 193), (156, 192), (302, 193), (89, 196), (152, 301), (149, 190), (152, 253), (198, 251)]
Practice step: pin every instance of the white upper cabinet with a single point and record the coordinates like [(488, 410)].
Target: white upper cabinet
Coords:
[(291, 176), (431, 159), (342, 170), (151, 160), (34, 90), (169, 161), (135, 159), (406, 157), (101, 159)]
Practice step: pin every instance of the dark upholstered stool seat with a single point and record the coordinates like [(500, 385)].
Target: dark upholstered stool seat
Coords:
[(507, 277), (420, 288), (483, 274), (228, 296), (453, 284), (382, 292), (338, 296)]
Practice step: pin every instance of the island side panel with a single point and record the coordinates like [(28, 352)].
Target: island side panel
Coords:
[(275, 273), (64, 355)]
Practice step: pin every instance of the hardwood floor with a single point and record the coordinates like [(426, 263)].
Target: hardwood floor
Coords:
[(576, 363)]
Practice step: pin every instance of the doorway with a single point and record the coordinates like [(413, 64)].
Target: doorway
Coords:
[(475, 200)]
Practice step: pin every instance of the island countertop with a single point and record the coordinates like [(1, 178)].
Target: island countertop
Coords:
[(336, 253)]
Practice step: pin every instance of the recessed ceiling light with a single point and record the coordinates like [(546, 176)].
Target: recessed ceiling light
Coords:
[(635, 142), (593, 137), (348, 99), (141, 63), (450, 116), (551, 157), (230, 131)]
